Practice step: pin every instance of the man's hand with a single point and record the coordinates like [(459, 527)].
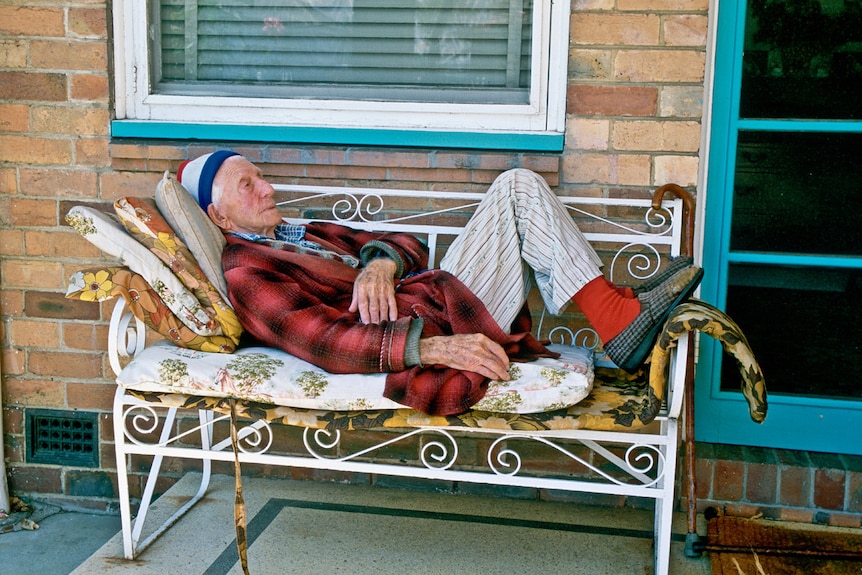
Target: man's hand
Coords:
[(374, 292), (469, 352)]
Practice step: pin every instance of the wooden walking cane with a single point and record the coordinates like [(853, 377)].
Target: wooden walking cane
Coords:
[(693, 545)]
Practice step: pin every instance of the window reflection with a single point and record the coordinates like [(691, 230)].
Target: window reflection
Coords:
[(804, 328), (802, 59), (798, 192)]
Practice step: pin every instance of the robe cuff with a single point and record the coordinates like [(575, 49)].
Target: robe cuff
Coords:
[(376, 249), (411, 348)]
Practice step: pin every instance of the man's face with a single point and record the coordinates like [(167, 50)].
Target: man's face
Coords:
[(246, 203)]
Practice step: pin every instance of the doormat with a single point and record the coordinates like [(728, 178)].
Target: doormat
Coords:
[(739, 546)]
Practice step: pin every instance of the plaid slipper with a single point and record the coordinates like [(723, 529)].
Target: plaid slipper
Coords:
[(629, 349), (674, 265)]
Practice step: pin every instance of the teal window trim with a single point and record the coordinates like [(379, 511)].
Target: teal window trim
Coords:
[(809, 423), (526, 142)]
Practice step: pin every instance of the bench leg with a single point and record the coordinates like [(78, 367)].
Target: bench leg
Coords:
[(132, 546), (665, 505)]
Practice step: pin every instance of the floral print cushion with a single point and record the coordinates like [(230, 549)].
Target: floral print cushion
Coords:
[(271, 377), (103, 283), (145, 223), (107, 234)]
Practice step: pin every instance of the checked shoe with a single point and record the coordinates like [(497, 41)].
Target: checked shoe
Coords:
[(629, 349), (674, 265)]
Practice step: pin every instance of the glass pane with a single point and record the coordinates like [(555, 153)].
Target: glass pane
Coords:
[(793, 192), (803, 326), (802, 59), (443, 50)]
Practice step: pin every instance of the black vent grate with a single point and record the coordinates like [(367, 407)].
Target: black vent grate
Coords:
[(62, 437)]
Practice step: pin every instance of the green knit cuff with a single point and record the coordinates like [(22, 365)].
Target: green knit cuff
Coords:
[(411, 349), (376, 249)]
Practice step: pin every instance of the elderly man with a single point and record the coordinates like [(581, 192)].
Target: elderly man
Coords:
[(352, 301)]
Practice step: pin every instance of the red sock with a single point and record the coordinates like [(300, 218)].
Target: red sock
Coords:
[(622, 290), (607, 311)]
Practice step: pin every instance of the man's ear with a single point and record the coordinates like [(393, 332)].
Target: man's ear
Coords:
[(218, 218)]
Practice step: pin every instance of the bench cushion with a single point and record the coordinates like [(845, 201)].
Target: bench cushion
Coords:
[(270, 376)]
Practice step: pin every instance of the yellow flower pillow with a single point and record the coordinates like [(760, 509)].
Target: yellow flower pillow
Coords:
[(106, 233), (103, 283), (145, 223)]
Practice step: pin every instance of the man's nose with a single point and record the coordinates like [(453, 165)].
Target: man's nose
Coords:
[(265, 189)]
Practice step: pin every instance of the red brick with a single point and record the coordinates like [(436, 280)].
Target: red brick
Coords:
[(29, 212), (14, 362), (35, 150), (13, 53), (117, 185), (33, 392), (855, 492), (90, 395), (92, 152), (56, 244), (11, 243), (761, 483), (728, 478), (829, 485), (845, 520), (31, 274), (91, 22), (12, 302), (592, 100), (13, 421), (56, 305), (36, 86), (90, 87), (29, 333), (797, 515), (85, 336), (19, 21), (80, 121), (59, 182), (14, 118), (795, 486), (63, 364), (69, 55), (31, 479), (8, 183)]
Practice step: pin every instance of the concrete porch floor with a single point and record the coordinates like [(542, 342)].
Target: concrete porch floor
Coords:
[(299, 527)]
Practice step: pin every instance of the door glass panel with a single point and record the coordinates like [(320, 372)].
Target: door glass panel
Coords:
[(803, 325), (798, 192), (802, 59)]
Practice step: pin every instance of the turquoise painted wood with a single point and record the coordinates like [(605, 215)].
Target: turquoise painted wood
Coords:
[(545, 142), (793, 422)]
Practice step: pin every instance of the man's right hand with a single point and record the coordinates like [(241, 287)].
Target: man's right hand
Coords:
[(469, 352)]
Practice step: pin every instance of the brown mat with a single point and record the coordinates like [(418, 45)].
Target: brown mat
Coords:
[(740, 546)]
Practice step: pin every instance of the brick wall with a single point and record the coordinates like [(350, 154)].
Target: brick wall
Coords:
[(636, 77)]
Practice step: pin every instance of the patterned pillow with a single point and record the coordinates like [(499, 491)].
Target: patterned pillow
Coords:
[(271, 376), (100, 284), (108, 235), (144, 222), (202, 237)]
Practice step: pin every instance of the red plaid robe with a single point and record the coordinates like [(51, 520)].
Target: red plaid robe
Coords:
[(298, 303)]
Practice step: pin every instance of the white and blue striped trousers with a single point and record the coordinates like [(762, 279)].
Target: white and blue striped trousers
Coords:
[(520, 225)]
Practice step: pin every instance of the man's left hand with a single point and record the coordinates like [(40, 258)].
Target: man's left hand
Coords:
[(374, 292)]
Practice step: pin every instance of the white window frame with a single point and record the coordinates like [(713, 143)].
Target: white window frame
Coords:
[(544, 114)]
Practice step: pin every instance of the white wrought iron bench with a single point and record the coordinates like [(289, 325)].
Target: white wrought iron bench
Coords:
[(627, 445)]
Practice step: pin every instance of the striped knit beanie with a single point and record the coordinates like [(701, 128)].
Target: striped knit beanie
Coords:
[(197, 175)]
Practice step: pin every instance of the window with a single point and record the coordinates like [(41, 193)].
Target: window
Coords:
[(444, 66)]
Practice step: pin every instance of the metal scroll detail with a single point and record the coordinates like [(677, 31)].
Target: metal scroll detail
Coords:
[(642, 464), (141, 421), (439, 453)]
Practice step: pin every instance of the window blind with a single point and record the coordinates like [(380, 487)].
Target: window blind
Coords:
[(388, 50)]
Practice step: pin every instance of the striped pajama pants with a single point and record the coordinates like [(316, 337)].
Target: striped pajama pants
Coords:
[(519, 227)]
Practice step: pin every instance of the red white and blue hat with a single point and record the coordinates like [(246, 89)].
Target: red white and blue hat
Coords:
[(197, 175)]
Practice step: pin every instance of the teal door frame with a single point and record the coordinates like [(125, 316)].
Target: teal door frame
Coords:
[(793, 422)]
